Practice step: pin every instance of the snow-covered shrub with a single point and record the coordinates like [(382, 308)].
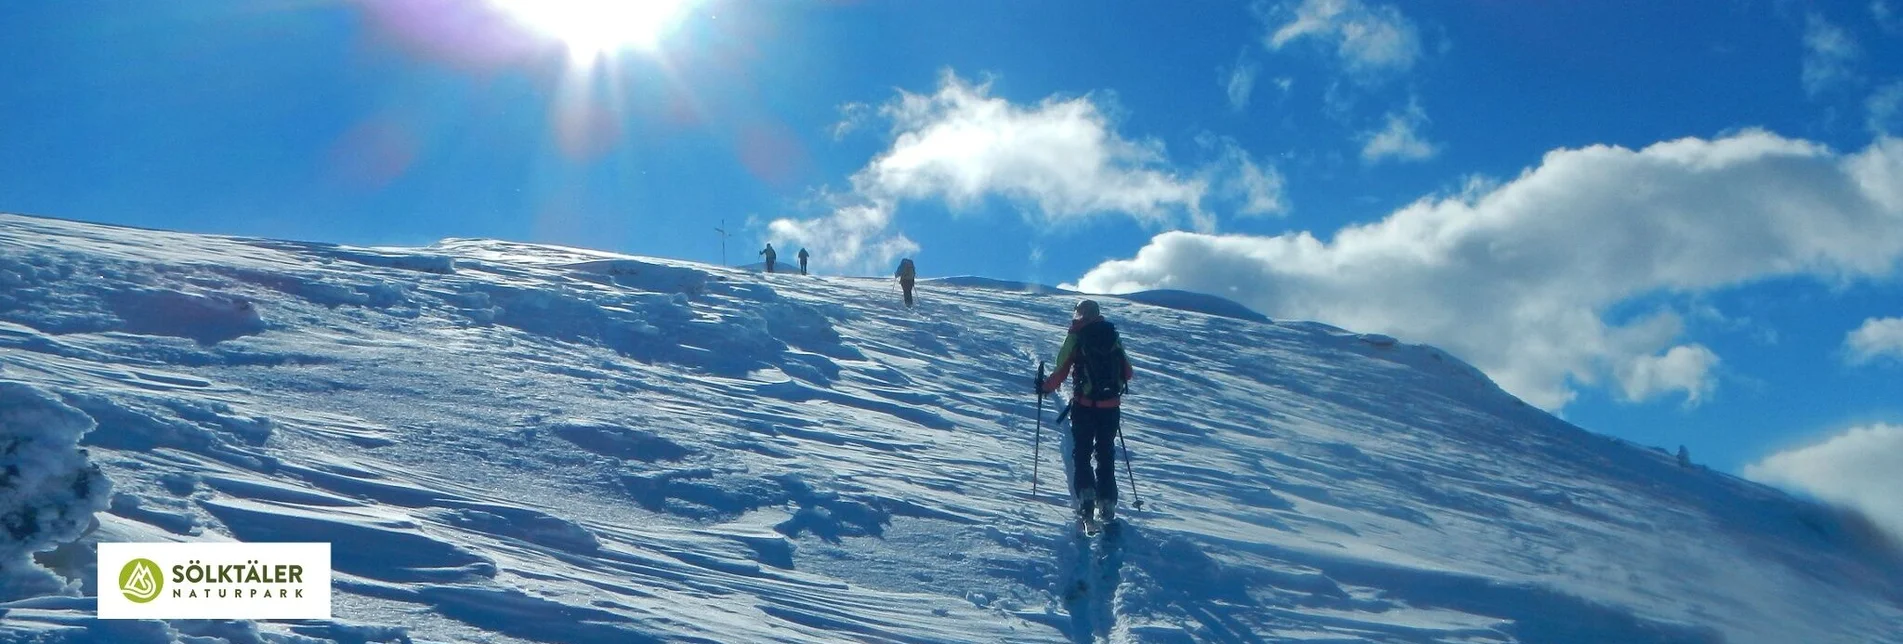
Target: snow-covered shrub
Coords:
[(48, 489)]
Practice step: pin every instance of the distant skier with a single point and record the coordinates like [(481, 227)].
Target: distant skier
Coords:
[(770, 256), (803, 257), (1102, 373), (907, 274)]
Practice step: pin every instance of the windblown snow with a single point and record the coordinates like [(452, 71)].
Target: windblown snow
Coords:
[(517, 443)]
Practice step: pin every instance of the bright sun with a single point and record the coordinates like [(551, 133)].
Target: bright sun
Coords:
[(593, 28)]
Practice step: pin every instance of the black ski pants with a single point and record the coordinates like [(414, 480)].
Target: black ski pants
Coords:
[(1093, 432)]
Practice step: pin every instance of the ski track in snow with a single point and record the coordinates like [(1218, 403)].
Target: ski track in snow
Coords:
[(518, 443)]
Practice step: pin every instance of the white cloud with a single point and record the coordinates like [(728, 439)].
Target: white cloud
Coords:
[(1857, 468), (1260, 188), (1876, 339), (1886, 16), (1884, 110), (852, 117), (1685, 368), (1255, 190), (1400, 138), (1518, 277), (853, 238), (1061, 157), (1367, 37), (1240, 83), (1061, 161), (1829, 52)]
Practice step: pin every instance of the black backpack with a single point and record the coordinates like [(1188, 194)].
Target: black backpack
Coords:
[(1099, 362)]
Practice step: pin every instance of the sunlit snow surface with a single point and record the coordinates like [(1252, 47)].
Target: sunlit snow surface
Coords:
[(509, 442)]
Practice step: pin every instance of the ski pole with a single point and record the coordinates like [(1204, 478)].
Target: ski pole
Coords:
[(1037, 444), (1126, 467)]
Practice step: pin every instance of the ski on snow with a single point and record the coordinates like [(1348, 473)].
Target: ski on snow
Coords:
[(1091, 526)]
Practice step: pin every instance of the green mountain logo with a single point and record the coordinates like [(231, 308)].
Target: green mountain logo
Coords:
[(141, 580)]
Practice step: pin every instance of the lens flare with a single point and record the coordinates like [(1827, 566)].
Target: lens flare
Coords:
[(595, 28)]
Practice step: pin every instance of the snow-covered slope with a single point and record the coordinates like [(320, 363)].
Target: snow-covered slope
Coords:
[(509, 442)]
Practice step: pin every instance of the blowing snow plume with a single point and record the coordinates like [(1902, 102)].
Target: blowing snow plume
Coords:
[(520, 443)]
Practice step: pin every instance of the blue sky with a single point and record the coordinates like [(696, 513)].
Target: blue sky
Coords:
[(1677, 223)]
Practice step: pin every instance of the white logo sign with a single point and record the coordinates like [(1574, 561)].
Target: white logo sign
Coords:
[(214, 580)]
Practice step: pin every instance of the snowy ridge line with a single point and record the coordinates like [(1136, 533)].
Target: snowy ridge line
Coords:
[(546, 444)]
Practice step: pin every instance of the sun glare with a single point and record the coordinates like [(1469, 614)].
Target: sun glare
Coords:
[(594, 28)]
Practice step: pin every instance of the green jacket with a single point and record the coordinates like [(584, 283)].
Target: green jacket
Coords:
[(1067, 358)]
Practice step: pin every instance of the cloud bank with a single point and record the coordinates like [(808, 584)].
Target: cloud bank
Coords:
[(1856, 469), (1525, 278)]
